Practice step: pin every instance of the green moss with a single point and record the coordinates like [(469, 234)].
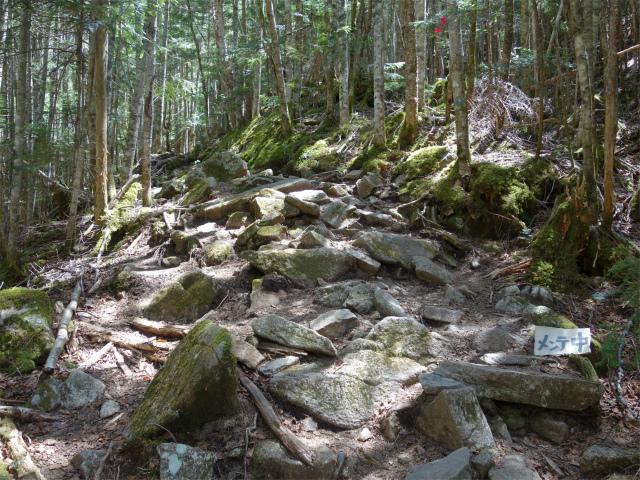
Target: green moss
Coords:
[(392, 128), (500, 187), (370, 160), (422, 162)]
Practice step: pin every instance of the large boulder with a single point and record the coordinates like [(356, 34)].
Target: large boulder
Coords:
[(393, 249), (339, 215), (190, 297), (197, 384), (77, 390), (271, 460), (25, 329), (304, 267), (455, 420), (605, 459), (182, 462), (224, 166), (561, 392), (290, 334)]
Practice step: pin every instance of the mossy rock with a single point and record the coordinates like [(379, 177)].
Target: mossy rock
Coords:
[(183, 242), (196, 385), (224, 166), (217, 253), (202, 191), (190, 297), (25, 330), (422, 162)]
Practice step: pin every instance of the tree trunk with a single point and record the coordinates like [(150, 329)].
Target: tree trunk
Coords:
[(278, 71), (159, 103), (288, 50), (298, 73), (508, 39), (227, 80), (459, 96), (100, 87), (379, 136), (539, 55), (343, 60), (147, 118), (421, 34), (410, 125), (610, 110)]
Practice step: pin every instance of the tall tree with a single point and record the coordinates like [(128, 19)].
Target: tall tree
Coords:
[(343, 59), (508, 39), (410, 125), (147, 118), (100, 88), (379, 137), (421, 34)]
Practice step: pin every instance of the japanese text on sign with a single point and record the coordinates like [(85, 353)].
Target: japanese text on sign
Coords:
[(562, 341)]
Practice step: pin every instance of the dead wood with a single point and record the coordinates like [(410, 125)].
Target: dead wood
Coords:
[(103, 460), (23, 464), (282, 433), (120, 359), (63, 329), (160, 329), (511, 269), (96, 357), (123, 190), (27, 414)]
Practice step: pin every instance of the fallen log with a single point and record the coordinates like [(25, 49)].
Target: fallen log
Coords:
[(160, 329), (298, 449), (511, 269), (23, 466), (25, 414), (123, 190), (63, 329)]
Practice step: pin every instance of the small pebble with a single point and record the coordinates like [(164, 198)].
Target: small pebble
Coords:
[(109, 408), (364, 435), (475, 264)]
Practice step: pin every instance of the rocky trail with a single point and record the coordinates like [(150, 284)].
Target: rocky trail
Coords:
[(390, 348)]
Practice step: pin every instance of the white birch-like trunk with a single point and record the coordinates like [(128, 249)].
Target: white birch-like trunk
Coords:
[(379, 137)]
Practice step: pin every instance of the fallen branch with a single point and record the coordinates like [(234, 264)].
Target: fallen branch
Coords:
[(298, 449), (23, 466), (27, 414), (511, 269), (160, 329), (103, 460), (63, 329), (95, 358), (120, 359), (123, 190), (619, 392)]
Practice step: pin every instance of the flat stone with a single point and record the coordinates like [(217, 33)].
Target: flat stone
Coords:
[(353, 175), (378, 219), (109, 408), (261, 299), (452, 294), (561, 392), (360, 299), (337, 191), (238, 220), (182, 462), (87, 462), (431, 273), (77, 390), (273, 233), (308, 208), (303, 267), (495, 339), (501, 358), (553, 430), (601, 459), (364, 261), (335, 323), (394, 249), (246, 353), (313, 196), (272, 460), (433, 384), (513, 466), (386, 304), (333, 296), (443, 315), (375, 368), (404, 337), (454, 466), (280, 330), (454, 420), (274, 366), (311, 239), (339, 215)]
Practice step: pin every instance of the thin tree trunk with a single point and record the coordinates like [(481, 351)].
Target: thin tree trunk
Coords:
[(100, 202), (147, 118), (288, 47), (343, 60), (459, 96), (379, 137), (158, 108), (410, 125), (508, 39), (539, 55), (298, 73), (471, 73), (610, 110), (421, 33)]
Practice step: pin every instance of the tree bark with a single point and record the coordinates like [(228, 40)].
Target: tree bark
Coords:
[(100, 86), (379, 136), (471, 72), (539, 55), (610, 110), (343, 60), (147, 118), (508, 39), (409, 128), (459, 96), (421, 34)]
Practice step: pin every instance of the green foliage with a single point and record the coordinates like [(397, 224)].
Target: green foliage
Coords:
[(422, 162), (500, 187)]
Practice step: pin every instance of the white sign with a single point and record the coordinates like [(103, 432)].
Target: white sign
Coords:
[(562, 341)]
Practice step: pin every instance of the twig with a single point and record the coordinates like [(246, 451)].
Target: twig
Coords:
[(121, 364), (63, 329), (511, 269), (101, 353), (166, 430), (27, 414), (103, 460), (619, 393)]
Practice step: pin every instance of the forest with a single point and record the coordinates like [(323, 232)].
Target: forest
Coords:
[(174, 173)]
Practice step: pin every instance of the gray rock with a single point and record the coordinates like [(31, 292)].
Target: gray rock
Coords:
[(561, 392), (364, 262), (601, 459), (313, 196), (538, 296), (109, 408), (260, 298), (501, 428), (431, 273), (284, 332), (337, 191), (509, 359), (182, 462), (390, 427), (238, 220), (364, 435), (308, 208), (393, 249), (433, 384), (553, 430), (187, 393), (513, 418), (439, 314), (183, 243), (333, 296), (309, 424), (217, 252), (483, 462), (274, 366), (375, 368), (386, 304), (495, 339), (378, 219), (271, 460), (454, 466), (246, 353), (339, 215), (313, 239), (511, 304), (452, 294), (454, 419), (87, 462), (190, 297), (360, 299), (367, 184), (404, 337), (224, 166), (335, 323), (361, 344), (353, 175), (513, 466), (262, 206), (77, 390), (273, 218), (304, 267)]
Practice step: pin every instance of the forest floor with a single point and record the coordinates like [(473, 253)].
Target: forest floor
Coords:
[(52, 445)]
